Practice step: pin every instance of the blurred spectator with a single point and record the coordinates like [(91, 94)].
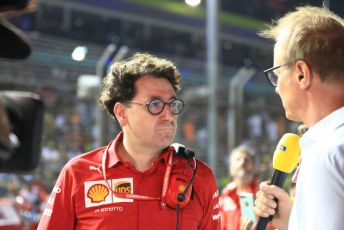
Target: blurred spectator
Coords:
[(202, 142), (271, 128), (189, 129), (242, 169), (255, 125), (30, 203), (50, 153), (60, 123)]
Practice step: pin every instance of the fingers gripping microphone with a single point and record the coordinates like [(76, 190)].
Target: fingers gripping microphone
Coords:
[(285, 159)]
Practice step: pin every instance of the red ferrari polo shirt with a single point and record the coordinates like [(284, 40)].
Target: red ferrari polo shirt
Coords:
[(82, 199)]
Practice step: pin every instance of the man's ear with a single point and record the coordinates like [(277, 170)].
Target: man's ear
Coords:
[(303, 74), (120, 112)]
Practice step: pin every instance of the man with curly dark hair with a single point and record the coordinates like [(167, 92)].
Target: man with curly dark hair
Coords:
[(138, 181)]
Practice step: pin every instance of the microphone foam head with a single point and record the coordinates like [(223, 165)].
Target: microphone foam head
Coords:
[(178, 147), (287, 153), (182, 151), (189, 153)]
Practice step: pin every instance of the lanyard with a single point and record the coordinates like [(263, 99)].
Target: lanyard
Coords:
[(136, 196)]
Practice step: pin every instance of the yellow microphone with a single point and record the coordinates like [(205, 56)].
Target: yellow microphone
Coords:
[(285, 159), (287, 153)]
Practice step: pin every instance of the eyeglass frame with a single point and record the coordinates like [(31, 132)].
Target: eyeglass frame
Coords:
[(270, 71), (163, 107)]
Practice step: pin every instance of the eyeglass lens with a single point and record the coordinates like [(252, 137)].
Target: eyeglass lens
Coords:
[(156, 106), (272, 78)]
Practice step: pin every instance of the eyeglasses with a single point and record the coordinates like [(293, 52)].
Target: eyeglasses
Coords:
[(271, 75), (156, 106)]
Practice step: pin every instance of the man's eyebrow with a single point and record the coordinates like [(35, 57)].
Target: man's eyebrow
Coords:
[(154, 97), (160, 98)]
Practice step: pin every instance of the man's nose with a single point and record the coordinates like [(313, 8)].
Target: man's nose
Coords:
[(167, 111)]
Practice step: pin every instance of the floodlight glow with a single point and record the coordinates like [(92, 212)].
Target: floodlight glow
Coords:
[(193, 2), (79, 53)]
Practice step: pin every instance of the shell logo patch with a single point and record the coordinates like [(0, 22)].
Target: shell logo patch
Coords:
[(97, 193)]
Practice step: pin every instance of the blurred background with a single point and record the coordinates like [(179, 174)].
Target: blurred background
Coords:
[(227, 103)]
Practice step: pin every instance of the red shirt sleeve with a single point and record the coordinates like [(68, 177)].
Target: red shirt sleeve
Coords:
[(59, 212)]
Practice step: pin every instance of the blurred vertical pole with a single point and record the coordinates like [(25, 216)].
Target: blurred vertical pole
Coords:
[(102, 67), (236, 105), (326, 3), (111, 54), (212, 32), (66, 19)]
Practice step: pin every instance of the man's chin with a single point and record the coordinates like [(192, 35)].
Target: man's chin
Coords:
[(291, 117), (165, 140), (166, 133)]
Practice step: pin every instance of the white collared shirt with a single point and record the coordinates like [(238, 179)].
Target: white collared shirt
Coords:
[(319, 199)]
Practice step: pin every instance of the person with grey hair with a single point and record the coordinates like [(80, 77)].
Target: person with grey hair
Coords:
[(242, 170), (308, 74), (137, 181)]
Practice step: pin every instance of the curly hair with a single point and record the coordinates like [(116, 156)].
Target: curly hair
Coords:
[(119, 84)]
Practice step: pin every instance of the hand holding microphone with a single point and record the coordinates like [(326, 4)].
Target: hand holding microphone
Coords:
[(285, 159)]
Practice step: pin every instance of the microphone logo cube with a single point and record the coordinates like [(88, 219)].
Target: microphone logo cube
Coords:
[(283, 148)]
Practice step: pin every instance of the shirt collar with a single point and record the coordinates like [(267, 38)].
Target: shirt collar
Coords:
[(324, 127), (113, 157)]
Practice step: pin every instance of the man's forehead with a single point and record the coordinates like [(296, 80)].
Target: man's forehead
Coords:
[(282, 41), (284, 34), (150, 89), (280, 52)]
